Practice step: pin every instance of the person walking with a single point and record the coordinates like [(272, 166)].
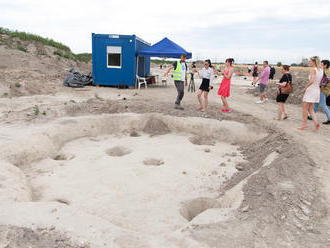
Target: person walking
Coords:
[(255, 73), (312, 93), (180, 79), (272, 74), (283, 91), (191, 86), (224, 89), (264, 78), (324, 92), (207, 75), (249, 70)]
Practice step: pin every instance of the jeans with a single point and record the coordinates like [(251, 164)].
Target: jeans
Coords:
[(180, 88), (323, 105)]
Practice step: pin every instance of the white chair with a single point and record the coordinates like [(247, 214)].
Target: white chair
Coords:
[(164, 81), (140, 81)]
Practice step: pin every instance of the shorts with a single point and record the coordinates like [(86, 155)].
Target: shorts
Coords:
[(255, 74), (262, 88), (205, 85), (281, 97), (271, 77)]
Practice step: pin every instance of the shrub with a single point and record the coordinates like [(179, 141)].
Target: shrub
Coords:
[(36, 110), (21, 48), (279, 64), (58, 52), (83, 57)]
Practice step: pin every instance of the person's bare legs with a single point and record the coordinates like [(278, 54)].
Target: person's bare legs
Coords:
[(199, 96), (206, 100), (305, 108), (284, 111), (279, 112), (254, 81), (312, 113), (224, 102)]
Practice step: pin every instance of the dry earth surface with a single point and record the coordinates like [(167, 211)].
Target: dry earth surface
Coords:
[(103, 167)]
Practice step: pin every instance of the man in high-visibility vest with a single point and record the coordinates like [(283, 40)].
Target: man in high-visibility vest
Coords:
[(180, 78)]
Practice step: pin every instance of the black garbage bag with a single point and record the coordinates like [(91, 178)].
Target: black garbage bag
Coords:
[(77, 80)]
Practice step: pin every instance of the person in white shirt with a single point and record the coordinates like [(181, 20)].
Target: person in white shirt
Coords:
[(207, 75)]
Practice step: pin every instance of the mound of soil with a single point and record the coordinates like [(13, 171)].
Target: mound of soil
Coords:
[(155, 126)]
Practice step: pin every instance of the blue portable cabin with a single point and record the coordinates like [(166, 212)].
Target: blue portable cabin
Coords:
[(114, 59)]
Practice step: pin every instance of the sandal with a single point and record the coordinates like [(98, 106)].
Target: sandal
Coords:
[(285, 117), (302, 127), (199, 109), (276, 119)]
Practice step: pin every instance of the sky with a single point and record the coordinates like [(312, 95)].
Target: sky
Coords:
[(275, 30)]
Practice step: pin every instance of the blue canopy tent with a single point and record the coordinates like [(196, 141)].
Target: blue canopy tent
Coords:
[(165, 49)]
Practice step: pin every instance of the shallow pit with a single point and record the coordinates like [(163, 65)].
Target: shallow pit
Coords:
[(130, 169)]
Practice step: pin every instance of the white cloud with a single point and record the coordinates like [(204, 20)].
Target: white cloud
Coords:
[(72, 22)]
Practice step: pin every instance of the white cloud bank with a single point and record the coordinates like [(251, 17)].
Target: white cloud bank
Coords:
[(72, 22)]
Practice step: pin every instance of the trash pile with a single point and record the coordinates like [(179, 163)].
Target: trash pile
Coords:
[(77, 80)]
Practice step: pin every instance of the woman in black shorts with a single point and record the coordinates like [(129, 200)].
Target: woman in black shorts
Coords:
[(207, 74), (281, 98), (255, 73)]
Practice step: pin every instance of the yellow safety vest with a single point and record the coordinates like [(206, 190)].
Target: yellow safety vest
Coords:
[(177, 73)]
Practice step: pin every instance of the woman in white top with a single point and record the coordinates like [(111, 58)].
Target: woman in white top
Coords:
[(312, 92), (207, 76)]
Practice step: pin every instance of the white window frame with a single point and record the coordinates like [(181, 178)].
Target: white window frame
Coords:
[(114, 50)]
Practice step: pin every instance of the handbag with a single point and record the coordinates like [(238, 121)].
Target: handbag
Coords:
[(324, 81), (287, 89)]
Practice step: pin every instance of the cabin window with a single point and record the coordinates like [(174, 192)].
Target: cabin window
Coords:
[(114, 57)]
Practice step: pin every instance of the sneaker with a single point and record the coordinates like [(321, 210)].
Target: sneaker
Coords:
[(309, 118), (266, 99), (229, 110), (259, 102), (326, 122), (223, 110), (177, 106)]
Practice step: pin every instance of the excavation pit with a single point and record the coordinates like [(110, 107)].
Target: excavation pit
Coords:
[(143, 183)]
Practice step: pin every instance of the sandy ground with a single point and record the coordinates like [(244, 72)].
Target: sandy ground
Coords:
[(97, 169)]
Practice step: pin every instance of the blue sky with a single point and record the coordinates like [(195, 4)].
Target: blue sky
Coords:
[(277, 30)]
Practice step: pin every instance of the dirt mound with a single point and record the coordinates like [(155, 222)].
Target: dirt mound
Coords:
[(35, 70), (118, 151), (202, 140), (19, 237), (153, 162), (155, 126)]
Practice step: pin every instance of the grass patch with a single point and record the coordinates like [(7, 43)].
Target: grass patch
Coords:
[(36, 110), (83, 57), (5, 94), (18, 85), (58, 52), (21, 48), (32, 37), (161, 61), (61, 49)]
